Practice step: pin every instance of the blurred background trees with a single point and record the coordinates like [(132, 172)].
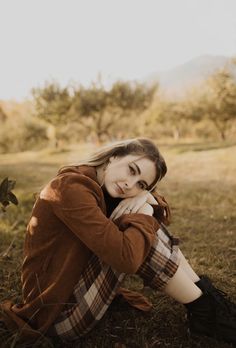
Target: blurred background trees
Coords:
[(3, 115), (60, 116), (52, 103), (216, 101), (99, 111)]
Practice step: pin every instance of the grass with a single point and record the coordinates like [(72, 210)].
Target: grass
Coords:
[(200, 187)]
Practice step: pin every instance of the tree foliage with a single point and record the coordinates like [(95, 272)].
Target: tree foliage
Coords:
[(212, 102), (65, 115), (96, 108), (52, 102), (171, 114), (3, 115), (217, 101), (100, 109)]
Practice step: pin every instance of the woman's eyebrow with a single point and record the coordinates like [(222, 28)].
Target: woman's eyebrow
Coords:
[(139, 172), (137, 167)]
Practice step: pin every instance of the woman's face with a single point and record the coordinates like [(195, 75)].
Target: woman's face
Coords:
[(129, 175)]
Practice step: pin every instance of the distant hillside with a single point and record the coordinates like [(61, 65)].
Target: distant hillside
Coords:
[(176, 81)]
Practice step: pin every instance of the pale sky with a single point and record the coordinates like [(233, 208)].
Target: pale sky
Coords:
[(75, 40)]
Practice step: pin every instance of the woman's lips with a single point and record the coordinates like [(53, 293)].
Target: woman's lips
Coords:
[(119, 189)]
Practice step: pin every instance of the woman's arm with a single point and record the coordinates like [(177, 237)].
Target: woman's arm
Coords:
[(122, 245), (133, 204)]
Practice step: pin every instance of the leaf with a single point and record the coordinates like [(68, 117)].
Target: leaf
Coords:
[(11, 185), (5, 203), (3, 189), (12, 198), (6, 196), (3, 209)]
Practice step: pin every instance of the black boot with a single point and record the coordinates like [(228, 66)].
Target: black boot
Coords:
[(212, 314), (205, 284)]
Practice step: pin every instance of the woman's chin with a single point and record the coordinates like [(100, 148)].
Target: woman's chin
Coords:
[(110, 192), (113, 192)]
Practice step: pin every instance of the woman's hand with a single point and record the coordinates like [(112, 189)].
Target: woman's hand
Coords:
[(133, 204), (151, 199), (146, 209)]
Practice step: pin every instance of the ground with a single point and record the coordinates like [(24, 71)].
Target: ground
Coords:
[(200, 187)]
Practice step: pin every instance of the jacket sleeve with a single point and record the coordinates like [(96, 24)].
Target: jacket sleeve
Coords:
[(123, 245)]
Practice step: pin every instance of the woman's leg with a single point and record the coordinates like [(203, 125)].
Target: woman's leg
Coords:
[(209, 312), (181, 287), (92, 295), (187, 268)]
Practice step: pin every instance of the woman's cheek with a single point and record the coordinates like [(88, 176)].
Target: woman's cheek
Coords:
[(133, 193)]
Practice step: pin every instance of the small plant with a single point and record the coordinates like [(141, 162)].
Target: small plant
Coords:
[(6, 195)]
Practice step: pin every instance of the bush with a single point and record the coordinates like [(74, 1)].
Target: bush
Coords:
[(22, 135)]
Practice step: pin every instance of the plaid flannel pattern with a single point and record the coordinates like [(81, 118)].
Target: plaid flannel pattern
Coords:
[(98, 285), (93, 294), (162, 261)]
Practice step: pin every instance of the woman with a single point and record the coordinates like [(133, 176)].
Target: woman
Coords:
[(93, 224)]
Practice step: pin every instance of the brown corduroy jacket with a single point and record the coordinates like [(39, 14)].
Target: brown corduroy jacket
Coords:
[(67, 224)]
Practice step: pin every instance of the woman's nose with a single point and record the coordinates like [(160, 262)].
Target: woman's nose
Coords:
[(129, 183)]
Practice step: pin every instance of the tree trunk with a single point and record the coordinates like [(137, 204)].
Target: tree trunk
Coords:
[(52, 136), (176, 134), (221, 127)]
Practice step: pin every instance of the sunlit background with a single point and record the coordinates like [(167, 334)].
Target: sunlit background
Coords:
[(76, 40), (74, 71)]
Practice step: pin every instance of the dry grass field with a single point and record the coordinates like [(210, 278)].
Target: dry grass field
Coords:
[(201, 189)]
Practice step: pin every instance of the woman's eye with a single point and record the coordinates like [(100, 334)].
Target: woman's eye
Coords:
[(141, 185), (131, 169)]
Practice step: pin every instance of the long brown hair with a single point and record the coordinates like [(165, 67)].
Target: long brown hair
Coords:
[(138, 146)]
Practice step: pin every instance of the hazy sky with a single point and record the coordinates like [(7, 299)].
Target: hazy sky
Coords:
[(74, 40)]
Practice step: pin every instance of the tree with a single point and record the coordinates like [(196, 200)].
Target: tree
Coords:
[(170, 114), (3, 115), (88, 107), (217, 101), (100, 110), (52, 104)]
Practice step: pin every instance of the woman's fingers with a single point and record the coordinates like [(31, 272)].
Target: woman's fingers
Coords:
[(146, 209), (137, 207), (151, 200), (125, 207), (129, 205), (118, 211), (124, 210)]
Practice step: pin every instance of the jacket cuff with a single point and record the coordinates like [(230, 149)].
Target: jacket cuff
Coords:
[(127, 219)]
